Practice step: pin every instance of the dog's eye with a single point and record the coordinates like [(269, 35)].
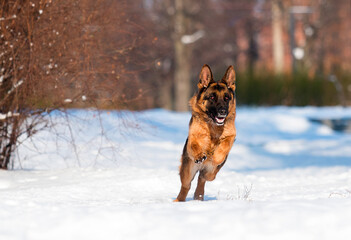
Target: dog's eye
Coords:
[(226, 98), (212, 97)]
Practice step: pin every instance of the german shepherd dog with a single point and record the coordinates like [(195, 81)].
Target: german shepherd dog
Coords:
[(211, 131)]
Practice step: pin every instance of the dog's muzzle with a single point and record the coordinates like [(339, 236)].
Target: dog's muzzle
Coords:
[(221, 115)]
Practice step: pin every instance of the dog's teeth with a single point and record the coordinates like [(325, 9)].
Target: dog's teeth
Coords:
[(220, 120)]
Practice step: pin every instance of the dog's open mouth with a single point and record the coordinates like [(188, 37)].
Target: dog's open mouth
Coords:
[(219, 120)]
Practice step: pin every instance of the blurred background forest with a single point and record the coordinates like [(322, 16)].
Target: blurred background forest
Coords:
[(117, 54)]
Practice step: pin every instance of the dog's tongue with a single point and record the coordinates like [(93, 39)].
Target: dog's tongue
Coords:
[(220, 120)]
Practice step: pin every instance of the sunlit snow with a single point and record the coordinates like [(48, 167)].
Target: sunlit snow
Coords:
[(285, 178)]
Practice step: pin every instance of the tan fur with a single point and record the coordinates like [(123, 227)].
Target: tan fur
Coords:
[(205, 137)]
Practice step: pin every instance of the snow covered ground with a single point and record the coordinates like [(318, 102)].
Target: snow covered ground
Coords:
[(286, 178)]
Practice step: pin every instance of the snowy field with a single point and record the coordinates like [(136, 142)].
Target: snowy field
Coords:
[(286, 178)]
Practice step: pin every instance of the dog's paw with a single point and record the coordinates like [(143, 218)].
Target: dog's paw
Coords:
[(201, 159)]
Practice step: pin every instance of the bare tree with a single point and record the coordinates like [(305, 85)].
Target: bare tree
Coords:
[(18, 87), (57, 54)]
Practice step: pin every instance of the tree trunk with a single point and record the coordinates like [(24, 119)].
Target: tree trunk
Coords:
[(166, 93), (182, 75), (278, 44)]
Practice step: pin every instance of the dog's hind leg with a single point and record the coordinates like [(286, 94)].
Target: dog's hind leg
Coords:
[(211, 172)]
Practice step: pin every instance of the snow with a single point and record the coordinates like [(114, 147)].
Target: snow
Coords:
[(188, 39), (8, 115), (16, 85), (286, 178)]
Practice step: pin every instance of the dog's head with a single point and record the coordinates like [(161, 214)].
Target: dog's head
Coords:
[(216, 99)]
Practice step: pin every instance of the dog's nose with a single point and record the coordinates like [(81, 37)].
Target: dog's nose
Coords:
[(222, 112)]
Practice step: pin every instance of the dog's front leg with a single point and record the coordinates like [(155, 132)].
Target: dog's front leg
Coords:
[(197, 148), (222, 151), (187, 173)]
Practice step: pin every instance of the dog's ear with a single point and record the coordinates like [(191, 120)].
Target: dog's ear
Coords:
[(205, 77), (229, 78)]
